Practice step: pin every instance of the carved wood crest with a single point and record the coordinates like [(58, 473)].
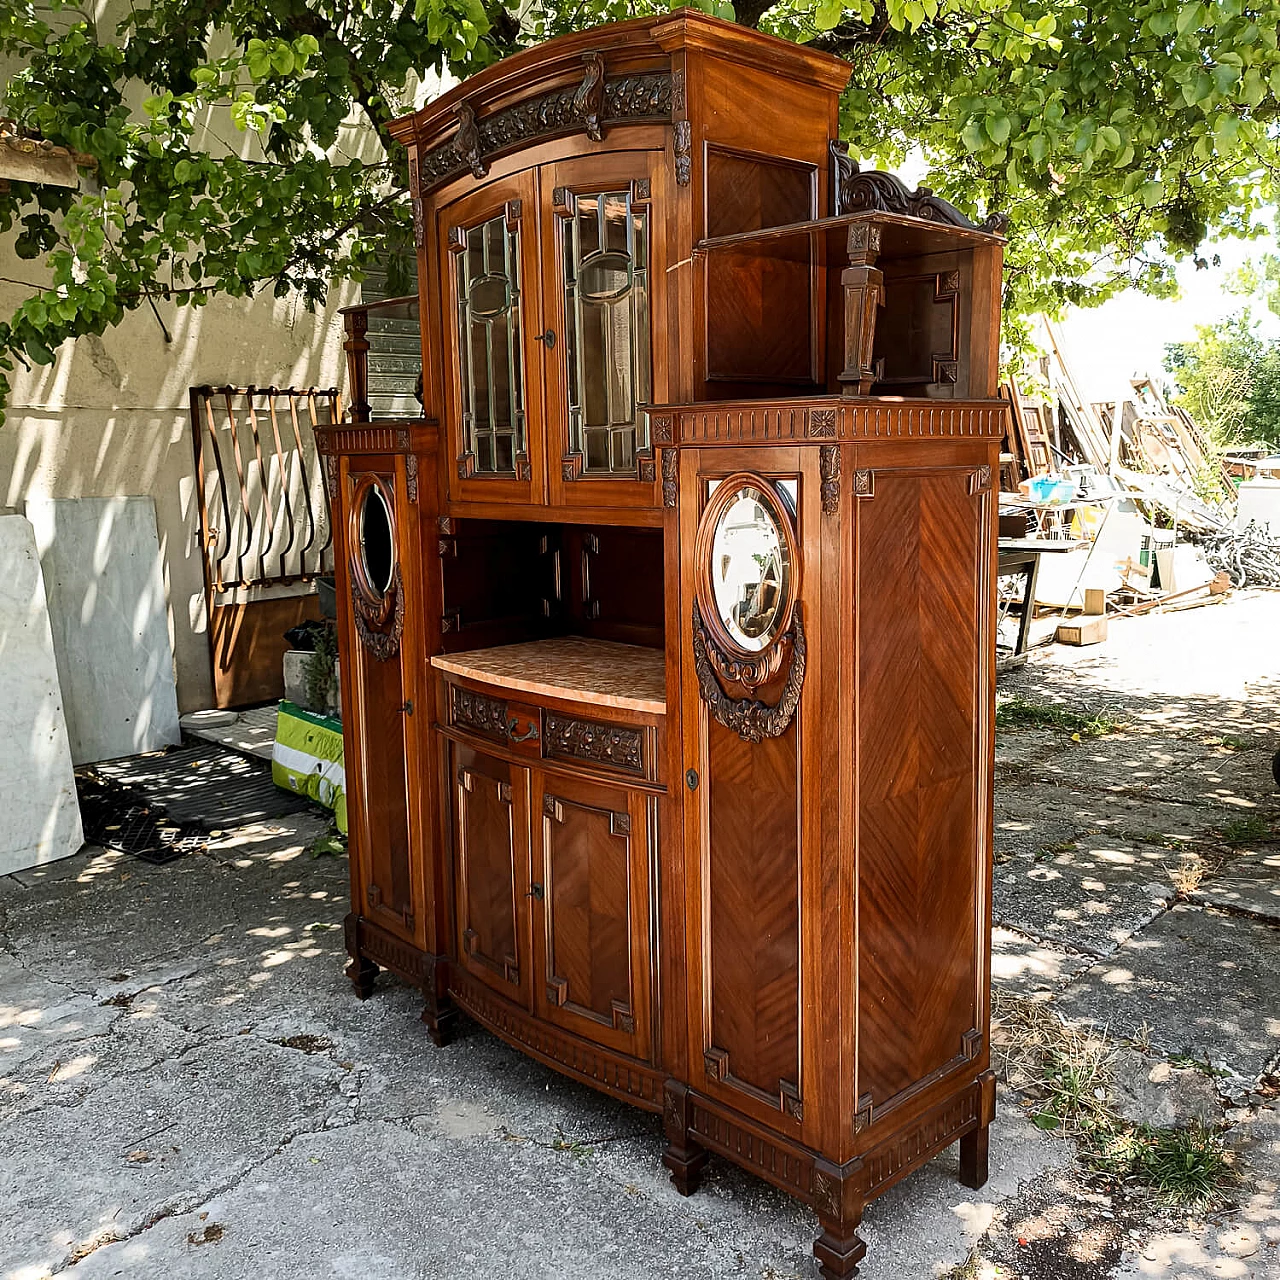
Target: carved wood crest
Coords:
[(590, 106), (874, 191)]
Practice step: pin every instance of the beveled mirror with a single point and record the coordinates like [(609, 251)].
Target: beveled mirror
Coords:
[(373, 543), (748, 568)]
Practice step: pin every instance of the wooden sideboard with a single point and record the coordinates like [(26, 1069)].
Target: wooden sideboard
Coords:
[(667, 628)]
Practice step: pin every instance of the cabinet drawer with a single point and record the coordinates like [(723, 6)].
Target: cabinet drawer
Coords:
[(515, 725), (566, 737), (622, 747)]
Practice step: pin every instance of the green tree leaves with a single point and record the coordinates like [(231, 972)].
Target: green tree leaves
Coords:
[(188, 209), (1229, 381), (1117, 134)]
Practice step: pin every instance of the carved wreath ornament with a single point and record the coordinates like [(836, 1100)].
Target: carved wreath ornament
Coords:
[(751, 719)]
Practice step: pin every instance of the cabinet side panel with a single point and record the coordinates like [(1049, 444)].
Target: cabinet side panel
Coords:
[(917, 616), (753, 888)]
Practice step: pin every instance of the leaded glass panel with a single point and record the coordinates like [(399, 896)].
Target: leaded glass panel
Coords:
[(606, 283), (493, 420)]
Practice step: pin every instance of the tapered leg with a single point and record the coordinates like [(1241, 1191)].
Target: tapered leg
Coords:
[(686, 1164), (362, 972), (684, 1156), (838, 1249), (973, 1157), (837, 1197)]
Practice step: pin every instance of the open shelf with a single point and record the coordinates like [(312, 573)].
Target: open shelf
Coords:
[(900, 237), (574, 668)]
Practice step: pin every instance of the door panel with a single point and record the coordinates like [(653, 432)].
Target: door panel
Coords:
[(744, 828), (387, 877), (493, 363), (491, 855), (603, 279), (591, 911), (919, 547)]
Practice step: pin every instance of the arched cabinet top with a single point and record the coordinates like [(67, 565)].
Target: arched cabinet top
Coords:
[(592, 82)]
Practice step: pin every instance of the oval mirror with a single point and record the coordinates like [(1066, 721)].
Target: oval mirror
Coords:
[(377, 541), (488, 297), (752, 577), (605, 276)]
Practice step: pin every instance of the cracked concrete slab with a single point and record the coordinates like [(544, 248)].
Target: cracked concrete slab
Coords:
[(195, 1143), (1249, 884), (1030, 817), (1197, 982), (136, 1148), (1090, 895), (1027, 967)]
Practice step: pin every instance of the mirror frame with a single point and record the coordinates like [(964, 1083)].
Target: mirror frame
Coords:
[(727, 489), (376, 605)]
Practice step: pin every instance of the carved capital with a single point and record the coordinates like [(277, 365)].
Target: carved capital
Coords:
[(670, 477), (829, 470)]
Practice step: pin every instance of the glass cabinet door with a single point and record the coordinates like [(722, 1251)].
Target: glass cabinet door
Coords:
[(601, 245), (489, 256)]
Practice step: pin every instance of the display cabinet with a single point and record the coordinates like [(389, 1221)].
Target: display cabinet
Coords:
[(669, 728)]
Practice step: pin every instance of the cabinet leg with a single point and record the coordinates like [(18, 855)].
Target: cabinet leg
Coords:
[(685, 1164), (362, 972), (441, 1019), (837, 1198), (684, 1156), (838, 1250), (973, 1157)]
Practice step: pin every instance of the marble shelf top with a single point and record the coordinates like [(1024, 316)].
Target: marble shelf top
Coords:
[(572, 667)]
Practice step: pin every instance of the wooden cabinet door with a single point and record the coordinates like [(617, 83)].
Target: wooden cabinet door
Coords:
[(592, 856), (493, 361), (604, 278), (751, 840), (491, 866), (377, 544)]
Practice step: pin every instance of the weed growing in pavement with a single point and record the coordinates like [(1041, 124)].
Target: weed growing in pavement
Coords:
[(1187, 876), (332, 842), (1186, 1168), (1017, 713), (1248, 828), (1156, 838), (1065, 1069)]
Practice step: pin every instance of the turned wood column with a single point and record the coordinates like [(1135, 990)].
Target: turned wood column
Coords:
[(357, 348), (863, 297)]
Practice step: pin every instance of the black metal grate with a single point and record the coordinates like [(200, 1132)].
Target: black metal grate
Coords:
[(208, 787), (117, 817)]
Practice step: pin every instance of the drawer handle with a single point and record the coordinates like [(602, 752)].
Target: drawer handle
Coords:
[(530, 735)]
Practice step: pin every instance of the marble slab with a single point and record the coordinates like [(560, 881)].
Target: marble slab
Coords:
[(41, 820), (105, 586), (574, 668)]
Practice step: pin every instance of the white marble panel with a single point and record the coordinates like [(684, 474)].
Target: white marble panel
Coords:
[(102, 573), (39, 812)]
